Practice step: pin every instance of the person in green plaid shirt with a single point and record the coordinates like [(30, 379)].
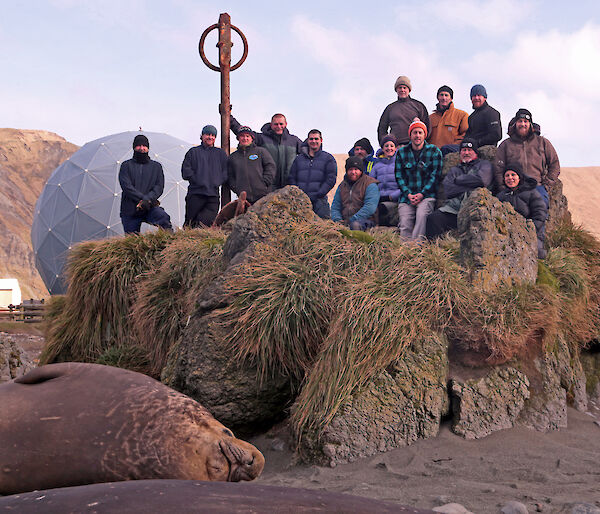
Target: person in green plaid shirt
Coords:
[(418, 171)]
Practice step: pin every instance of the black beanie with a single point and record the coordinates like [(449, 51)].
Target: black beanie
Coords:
[(448, 89), (467, 142), (355, 162), (513, 166), (365, 144), (141, 140), (525, 114)]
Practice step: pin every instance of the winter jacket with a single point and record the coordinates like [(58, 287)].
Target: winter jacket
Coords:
[(251, 169), (535, 154), (398, 116), (528, 202), (205, 167), (418, 177), (283, 149), (355, 201), (384, 170), (464, 178), (139, 181), (316, 175), (448, 127), (485, 126)]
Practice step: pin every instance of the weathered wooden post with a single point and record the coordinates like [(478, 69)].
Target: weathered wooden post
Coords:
[(224, 45)]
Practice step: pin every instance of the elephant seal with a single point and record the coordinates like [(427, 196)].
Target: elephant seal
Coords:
[(191, 496), (73, 424)]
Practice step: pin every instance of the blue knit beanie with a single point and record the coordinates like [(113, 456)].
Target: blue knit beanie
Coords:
[(210, 130), (478, 89)]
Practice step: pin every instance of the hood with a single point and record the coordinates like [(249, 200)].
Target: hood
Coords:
[(379, 155), (525, 182), (304, 148), (245, 148), (268, 131)]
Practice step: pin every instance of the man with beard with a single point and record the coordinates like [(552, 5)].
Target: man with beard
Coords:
[(484, 122), (142, 181), (283, 146), (448, 124), (459, 182), (533, 152), (398, 115)]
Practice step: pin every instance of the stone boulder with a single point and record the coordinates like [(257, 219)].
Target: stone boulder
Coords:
[(18, 354), (202, 365), (480, 407), (497, 245), (403, 404), (590, 360)]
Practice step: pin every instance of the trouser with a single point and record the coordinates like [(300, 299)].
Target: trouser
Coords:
[(321, 208), (439, 222), (388, 213), (154, 216), (544, 194), (413, 218), (200, 210), (361, 224)]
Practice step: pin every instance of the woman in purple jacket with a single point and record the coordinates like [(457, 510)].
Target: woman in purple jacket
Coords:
[(384, 171)]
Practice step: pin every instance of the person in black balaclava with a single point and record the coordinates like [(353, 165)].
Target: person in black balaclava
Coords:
[(142, 181)]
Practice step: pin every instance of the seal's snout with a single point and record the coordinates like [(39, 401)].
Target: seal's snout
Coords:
[(245, 462)]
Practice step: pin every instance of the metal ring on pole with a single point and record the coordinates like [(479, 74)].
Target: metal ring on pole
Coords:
[(203, 55)]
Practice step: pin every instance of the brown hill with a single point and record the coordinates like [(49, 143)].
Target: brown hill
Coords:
[(27, 159)]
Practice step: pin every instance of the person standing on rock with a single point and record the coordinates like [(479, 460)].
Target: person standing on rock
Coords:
[(283, 146), (315, 172), (448, 124), (250, 168), (355, 201), (535, 153), (142, 181), (398, 115), (205, 167), (418, 168), (521, 192), (485, 126), (459, 182)]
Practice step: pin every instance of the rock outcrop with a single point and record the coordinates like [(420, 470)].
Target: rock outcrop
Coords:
[(18, 354), (27, 159), (497, 245)]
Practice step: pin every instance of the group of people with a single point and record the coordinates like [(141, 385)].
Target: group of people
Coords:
[(403, 175)]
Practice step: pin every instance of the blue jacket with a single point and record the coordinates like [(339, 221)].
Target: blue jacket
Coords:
[(384, 170), (316, 175), (139, 181), (205, 167)]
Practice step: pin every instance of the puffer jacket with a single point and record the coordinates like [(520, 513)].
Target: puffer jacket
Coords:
[(283, 149), (384, 170), (528, 202), (316, 175), (535, 154), (251, 169), (398, 116), (461, 180), (448, 127)]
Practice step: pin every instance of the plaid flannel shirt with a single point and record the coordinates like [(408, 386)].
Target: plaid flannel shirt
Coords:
[(418, 177)]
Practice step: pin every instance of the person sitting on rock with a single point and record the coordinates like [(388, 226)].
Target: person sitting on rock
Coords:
[(250, 168), (384, 171), (418, 168), (315, 172), (355, 201), (522, 194), (471, 173), (363, 149), (534, 152)]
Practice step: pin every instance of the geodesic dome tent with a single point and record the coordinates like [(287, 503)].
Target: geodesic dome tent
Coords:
[(82, 198)]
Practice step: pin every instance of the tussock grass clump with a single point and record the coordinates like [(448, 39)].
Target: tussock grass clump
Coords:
[(102, 276), (166, 296), (408, 296)]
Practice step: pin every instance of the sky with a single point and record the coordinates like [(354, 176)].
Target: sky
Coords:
[(87, 69)]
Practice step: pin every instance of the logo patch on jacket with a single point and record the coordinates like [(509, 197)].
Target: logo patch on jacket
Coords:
[(253, 157)]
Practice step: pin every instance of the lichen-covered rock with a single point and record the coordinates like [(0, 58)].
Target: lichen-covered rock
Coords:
[(571, 373), (18, 354), (558, 210), (590, 361), (492, 403), (497, 245), (401, 405), (269, 218)]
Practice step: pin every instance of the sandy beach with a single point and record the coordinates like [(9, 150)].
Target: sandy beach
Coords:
[(544, 471)]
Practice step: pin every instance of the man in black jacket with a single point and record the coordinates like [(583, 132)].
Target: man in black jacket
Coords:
[(205, 167), (484, 122), (142, 181)]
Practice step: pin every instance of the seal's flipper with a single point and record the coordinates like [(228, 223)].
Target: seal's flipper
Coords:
[(39, 375)]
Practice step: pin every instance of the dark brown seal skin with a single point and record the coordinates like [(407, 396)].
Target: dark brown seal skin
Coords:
[(73, 423), (150, 496)]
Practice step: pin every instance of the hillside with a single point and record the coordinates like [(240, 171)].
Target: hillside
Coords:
[(27, 159)]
